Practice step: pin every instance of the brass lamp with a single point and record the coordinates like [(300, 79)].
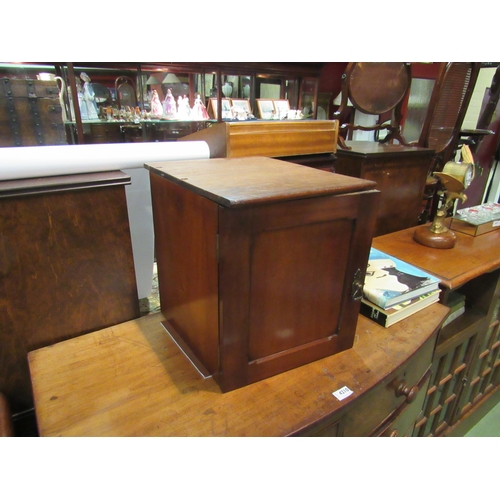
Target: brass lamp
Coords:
[(455, 178)]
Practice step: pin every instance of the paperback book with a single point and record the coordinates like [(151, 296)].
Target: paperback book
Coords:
[(456, 303), (388, 317), (390, 281)]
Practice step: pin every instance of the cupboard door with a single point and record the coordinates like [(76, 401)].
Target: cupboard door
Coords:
[(484, 375), (286, 275)]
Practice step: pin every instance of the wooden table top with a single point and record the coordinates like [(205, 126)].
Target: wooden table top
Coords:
[(133, 380), (471, 257)]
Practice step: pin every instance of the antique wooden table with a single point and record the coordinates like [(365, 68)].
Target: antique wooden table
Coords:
[(133, 380)]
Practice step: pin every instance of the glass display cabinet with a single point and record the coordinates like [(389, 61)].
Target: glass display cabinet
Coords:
[(135, 102)]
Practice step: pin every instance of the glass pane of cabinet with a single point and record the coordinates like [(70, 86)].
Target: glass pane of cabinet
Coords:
[(120, 102), (308, 97), (236, 86)]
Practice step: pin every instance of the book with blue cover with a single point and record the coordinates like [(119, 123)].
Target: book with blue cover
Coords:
[(390, 281)]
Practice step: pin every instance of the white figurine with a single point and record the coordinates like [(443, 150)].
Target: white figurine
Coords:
[(182, 112), (89, 98), (199, 111), (156, 107), (169, 107), (182, 108)]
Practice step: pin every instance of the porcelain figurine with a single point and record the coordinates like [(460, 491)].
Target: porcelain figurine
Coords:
[(199, 111), (169, 107), (183, 109), (156, 107), (89, 97), (81, 102)]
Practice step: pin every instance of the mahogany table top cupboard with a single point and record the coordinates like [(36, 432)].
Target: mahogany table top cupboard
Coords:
[(133, 380), (260, 262), (466, 366)]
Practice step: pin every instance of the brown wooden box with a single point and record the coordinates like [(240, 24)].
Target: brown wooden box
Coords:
[(260, 262), (474, 229), (30, 113)]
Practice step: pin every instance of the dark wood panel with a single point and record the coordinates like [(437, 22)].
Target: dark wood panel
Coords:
[(400, 173), (66, 268), (186, 252), (286, 274), (292, 305)]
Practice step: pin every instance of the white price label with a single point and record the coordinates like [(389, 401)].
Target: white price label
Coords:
[(342, 393)]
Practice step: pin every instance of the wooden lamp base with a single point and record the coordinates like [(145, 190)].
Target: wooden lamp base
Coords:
[(425, 236)]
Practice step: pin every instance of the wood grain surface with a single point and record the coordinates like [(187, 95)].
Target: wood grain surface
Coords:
[(133, 380)]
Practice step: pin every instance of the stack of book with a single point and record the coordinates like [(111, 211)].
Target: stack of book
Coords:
[(394, 290)]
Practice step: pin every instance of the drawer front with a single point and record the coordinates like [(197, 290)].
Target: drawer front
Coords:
[(403, 421), (400, 398), (330, 427)]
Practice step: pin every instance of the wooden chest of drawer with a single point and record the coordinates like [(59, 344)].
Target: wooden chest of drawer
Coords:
[(259, 262), (30, 113), (393, 407)]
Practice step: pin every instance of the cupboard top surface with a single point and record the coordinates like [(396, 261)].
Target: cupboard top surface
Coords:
[(363, 148), (471, 257), (240, 181)]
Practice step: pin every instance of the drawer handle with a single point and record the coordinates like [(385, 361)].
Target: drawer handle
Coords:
[(409, 392)]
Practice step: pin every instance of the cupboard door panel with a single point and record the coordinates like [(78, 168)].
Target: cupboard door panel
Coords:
[(286, 274), (292, 305)]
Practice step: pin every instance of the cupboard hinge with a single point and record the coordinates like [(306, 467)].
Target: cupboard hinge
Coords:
[(357, 285)]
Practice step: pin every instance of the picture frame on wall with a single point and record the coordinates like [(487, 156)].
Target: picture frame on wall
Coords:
[(266, 108)]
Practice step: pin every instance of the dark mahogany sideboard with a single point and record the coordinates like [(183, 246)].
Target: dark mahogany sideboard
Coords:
[(465, 382), (400, 173), (66, 267)]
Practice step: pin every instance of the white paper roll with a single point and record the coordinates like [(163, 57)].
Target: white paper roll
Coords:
[(44, 161)]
